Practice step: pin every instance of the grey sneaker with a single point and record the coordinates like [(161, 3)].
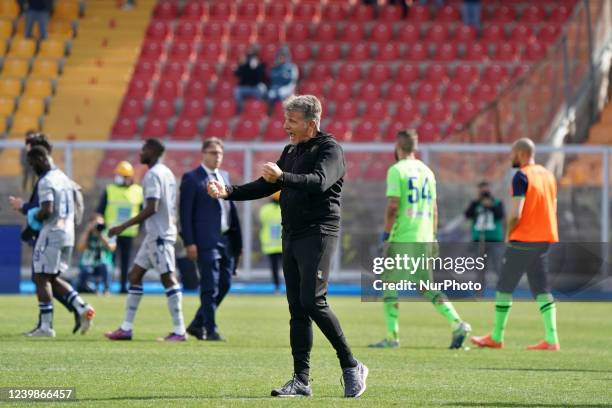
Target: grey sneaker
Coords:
[(385, 343), (460, 333), (354, 380), (38, 332), (293, 388), (86, 319)]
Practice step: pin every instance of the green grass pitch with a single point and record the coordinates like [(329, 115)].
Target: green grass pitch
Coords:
[(241, 372)]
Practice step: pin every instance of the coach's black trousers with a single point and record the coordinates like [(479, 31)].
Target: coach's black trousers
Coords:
[(306, 264)]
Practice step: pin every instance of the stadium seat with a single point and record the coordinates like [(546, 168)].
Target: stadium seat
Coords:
[(534, 51), (466, 112), (276, 11), (507, 52), (448, 14), (521, 33), (408, 34), (186, 31), (436, 73), (446, 52), (466, 74), (167, 89), (352, 33), (131, 108), (6, 29), (340, 91), (419, 14), (381, 32), (317, 88), (390, 13), (301, 53), (9, 9), (193, 109), (407, 73), (269, 32), (362, 13), (437, 33), (341, 130), (203, 71), (22, 48), (376, 171), (15, 67), (274, 131), (495, 73), (138, 88), (213, 31), (211, 52), (7, 106), (493, 33), (319, 71), (124, 127), (347, 110), (369, 92), (548, 33), (306, 12), (66, 10), (180, 51), (428, 132), (388, 52), (23, 122), (379, 73), (31, 106), (456, 92), (376, 111), (10, 87), (220, 11), (165, 10), (484, 93), (465, 34), (45, 68), (475, 52), (242, 32), (394, 127), (298, 32), (503, 14), (224, 109), (559, 14), (255, 108), (438, 112), (359, 52), (216, 128), (154, 127), (246, 129), (329, 52), (38, 87), (407, 111), (533, 14), (427, 92), (151, 51), (335, 12), (325, 32), (366, 131), (162, 108), (51, 48), (417, 52), (184, 129), (398, 91), (249, 10), (60, 29), (158, 30)]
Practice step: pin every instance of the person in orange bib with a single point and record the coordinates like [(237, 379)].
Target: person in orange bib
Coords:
[(532, 227)]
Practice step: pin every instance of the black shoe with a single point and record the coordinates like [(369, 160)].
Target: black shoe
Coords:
[(196, 332), (293, 388), (214, 336), (77, 322), (354, 380)]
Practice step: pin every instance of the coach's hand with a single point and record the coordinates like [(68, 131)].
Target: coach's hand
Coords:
[(16, 203), (115, 231), (271, 172), (216, 189), (192, 252)]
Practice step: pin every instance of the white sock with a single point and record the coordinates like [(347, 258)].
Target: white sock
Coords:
[(77, 302), (131, 306), (175, 306), (46, 315)]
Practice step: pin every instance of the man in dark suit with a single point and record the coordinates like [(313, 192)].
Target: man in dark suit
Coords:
[(211, 232)]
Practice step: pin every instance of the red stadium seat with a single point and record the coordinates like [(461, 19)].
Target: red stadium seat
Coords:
[(325, 32), (154, 127), (506, 52), (475, 52), (352, 33), (534, 51), (216, 128), (503, 14), (448, 14), (379, 73), (407, 73), (165, 10), (193, 109), (390, 14), (419, 14), (196, 88), (151, 51), (213, 31), (359, 52), (185, 128), (319, 71), (495, 73), (456, 92), (268, 53), (436, 73), (520, 70), (407, 111), (306, 12), (138, 88), (533, 14), (347, 110), (438, 112), (394, 127), (548, 34), (220, 10), (237, 51), (249, 10), (274, 131), (349, 72), (224, 109), (180, 51), (168, 89), (255, 108), (466, 112), (132, 108), (437, 33), (376, 110), (417, 52), (369, 92), (340, 130), (269, 32), (242, 32), (427, 92), (335, 12), (446, 52), (560, 14), (381, 32), (466, 74), (408, 34), (493, 33), (158, 30), (465, 34), (124, 127), (521, 33), (173, 71), (484, 93), (340, 91), (366, 131), (398, 92), (203, 71), (362, 13), (329, 52), (192, 10), (276, 11), (376, 171), (301, 53), (390, 51), (316, 88), (428, 132), (145, 70), (186, 31), (246, 129), (162, 108)]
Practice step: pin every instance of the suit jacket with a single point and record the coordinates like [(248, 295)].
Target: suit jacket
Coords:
[(200, 215)]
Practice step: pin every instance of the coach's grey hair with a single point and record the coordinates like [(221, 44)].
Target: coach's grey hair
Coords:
[(309, 105)]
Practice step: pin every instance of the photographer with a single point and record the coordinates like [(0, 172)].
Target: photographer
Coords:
[(487, 216), (96, 256)]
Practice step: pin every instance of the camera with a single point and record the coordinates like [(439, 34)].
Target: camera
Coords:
[(100, 227)]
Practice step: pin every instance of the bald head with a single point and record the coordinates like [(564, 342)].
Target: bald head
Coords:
[(523, 152)]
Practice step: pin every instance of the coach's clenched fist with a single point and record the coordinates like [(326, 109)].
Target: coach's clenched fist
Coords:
[(216, 189), (271, 172)]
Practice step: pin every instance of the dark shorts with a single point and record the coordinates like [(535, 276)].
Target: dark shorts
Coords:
[(525, 257)]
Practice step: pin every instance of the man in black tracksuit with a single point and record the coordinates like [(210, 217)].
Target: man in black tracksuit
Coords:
[(309, 175)]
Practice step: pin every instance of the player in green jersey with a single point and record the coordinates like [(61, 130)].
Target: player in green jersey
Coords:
[(411, 221)]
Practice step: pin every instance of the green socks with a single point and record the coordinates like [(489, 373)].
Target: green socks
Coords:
[(548, 309), (391, 308), (443, 306), (503, 303)]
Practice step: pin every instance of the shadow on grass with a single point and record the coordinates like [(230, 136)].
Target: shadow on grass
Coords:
[(200, 398), (521, 404), (561, 370)]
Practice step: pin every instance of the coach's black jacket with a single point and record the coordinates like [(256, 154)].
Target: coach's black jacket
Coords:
[(311, 187)]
